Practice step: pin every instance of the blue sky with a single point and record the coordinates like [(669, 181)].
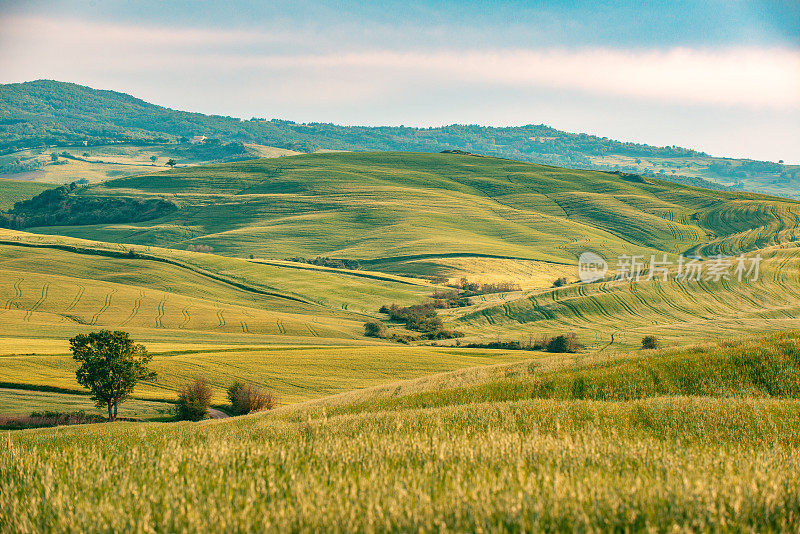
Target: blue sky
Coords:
[(721, 76)]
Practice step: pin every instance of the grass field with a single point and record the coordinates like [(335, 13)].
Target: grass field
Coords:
[(105, 162), (294, 373), (376, 436), (12, 191), (392, 208), (708, 442), (22, 402), (402, 216)]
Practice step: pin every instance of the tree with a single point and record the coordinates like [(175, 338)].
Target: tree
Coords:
[(153, 159), (111, 366), (564, 343), (650, 342), (248, 398), (375, 329), (194, 399), (171, 162)]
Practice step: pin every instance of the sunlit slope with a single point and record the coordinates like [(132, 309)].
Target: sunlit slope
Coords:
[(677, 309), (374, 206), (701, 438), (293, 373), (12, 191), (160, 294)]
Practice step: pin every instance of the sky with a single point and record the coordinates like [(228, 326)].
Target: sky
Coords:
[(721, 76)]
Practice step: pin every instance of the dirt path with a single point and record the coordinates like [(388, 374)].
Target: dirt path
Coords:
[(217, 414)]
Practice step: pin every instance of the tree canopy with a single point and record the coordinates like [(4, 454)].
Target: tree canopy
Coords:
[(111, 366)]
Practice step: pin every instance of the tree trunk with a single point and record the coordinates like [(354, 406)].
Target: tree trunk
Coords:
[(115, 410), (111, 414)]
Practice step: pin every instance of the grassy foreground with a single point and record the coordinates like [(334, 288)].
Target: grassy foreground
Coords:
[(715, 448)]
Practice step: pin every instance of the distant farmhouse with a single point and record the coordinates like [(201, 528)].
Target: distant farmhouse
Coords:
[(198, 139)]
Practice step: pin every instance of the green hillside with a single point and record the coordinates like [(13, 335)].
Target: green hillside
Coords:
[(701, 438), (397, 217), (52, 117), (404, 207), (12, 191)]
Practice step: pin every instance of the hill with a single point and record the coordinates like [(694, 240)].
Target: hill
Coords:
[(306, 249), (704, 438), (55, 117), (405, 212)]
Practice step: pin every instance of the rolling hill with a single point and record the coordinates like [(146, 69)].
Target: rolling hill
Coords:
[(104, 134), (376, 435), (403, 224), (391, 209), (698, 438)]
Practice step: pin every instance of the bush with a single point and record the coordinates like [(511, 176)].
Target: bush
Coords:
[(650, 342), (564, 343), (375, 329), (248, 398), (193, 400), (560, 282)]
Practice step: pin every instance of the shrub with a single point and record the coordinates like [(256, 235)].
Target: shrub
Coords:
[(193, 400), (375, 329), (650, 342), (564, 343), (248, 398), (560, 282), (473, 288)]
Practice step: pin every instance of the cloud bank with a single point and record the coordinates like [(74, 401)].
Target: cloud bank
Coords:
[(246, 72)]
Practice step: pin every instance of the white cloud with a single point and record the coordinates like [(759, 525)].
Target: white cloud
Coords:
[(731, 77), (705, 98)]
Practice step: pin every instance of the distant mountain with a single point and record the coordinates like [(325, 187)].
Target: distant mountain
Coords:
[(48, 113)]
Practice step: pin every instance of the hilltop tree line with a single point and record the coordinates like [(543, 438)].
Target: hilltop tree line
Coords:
[(49, 113)]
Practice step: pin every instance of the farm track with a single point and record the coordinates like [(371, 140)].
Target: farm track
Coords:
[(160, 313), (136, 305), (152, 257), (38, 303), (186, 317), (106, 305), (77, 298), (311, 330), (17, 294)]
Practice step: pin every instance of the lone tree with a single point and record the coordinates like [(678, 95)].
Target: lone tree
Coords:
[(111, 366), (171, 162), (153, 158)]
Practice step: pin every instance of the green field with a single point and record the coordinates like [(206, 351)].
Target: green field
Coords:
[(22, 402), (298, 328), (372, 435), (16, 190), (701, 438), (388, 209), (106, 162)]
